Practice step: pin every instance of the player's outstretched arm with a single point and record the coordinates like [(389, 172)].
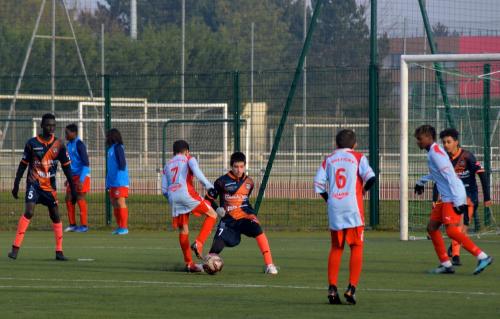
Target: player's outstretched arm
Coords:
[(19, 175), (195, 168)]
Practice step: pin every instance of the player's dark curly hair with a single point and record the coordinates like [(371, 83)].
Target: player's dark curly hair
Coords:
[(113, 136), (48, 116), (426, 130), (180, 146), (238, 157), (72, 128), (345, 139), (451, 132)]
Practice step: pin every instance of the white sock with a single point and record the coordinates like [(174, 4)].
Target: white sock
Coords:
[(482, 255), (447, 264)]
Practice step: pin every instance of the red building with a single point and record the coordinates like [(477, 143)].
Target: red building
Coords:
[(467, 87)]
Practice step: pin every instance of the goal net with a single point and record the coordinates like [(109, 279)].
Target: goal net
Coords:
[(455, 90)]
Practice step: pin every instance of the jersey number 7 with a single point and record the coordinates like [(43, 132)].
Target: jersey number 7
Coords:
[(175, 170)]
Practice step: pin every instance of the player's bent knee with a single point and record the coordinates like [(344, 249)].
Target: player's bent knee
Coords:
[(28, 214)]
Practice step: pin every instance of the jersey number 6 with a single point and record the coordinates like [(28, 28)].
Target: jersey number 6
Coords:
[(340, 180)]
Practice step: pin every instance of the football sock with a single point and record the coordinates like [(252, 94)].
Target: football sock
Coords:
[(263, 244), (82, 203), (334, 259), (439, 247), (116, 212), (22, 226), (482, 255), (186, 250), (205, 230), (71, 213), (455, 233), (123, 217), (58, 234), (355, 264)]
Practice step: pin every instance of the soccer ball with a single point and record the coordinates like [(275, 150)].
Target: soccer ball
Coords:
[(212, 264)]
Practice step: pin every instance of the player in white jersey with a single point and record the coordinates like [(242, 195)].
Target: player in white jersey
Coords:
[(177, 186), (453, 203), (339, 180)]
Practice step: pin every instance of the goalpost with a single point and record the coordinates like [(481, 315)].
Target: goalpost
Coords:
[(404, 119)]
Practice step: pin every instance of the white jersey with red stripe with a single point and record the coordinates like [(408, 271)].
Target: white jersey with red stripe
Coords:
[(342, 175), (177, 184), (442, 172)]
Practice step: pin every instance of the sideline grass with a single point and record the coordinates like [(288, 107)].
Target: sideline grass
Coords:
[(137, 276)]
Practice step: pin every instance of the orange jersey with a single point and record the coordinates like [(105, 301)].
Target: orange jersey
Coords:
[(42, 158), (235, 195)]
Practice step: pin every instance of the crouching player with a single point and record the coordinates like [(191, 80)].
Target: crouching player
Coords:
[(452, 205), (238, 215), (177, 187), (344, 171)]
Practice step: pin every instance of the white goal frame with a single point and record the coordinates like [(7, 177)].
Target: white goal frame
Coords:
[(405, 60)]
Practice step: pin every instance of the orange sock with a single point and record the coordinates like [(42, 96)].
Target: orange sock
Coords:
[(439, 247), (82, 203), (455, 233), (186, 250), (71, 212), (124, 217), (205, 230), (355, 264), (264, 248), (58, 234), (334, 259), (22, 226), (116, 212)]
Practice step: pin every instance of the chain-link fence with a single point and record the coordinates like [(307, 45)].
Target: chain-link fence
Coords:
[(151, 115)]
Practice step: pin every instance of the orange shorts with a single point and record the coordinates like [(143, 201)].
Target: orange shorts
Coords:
[(202, 209), (445, 214), (353, 236), (117, 192), (81, 188)]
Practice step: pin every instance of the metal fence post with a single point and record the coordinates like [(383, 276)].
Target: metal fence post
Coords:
[(374, 116), (236, 111), (288, 105), (107, 127), (486, 130)]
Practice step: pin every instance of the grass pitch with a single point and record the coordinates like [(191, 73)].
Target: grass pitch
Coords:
[(139, 276)]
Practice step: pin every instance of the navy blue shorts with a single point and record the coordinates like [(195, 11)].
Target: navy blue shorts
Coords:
[(38, 196), (230, 230)]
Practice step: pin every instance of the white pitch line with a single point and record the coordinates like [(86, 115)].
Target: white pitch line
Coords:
[(106, 247), (147, 284)]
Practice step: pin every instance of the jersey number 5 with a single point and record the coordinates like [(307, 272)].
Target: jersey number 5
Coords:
[(340, 180), (174, 170)]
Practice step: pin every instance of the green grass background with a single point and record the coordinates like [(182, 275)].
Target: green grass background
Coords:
[(138, 276)]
